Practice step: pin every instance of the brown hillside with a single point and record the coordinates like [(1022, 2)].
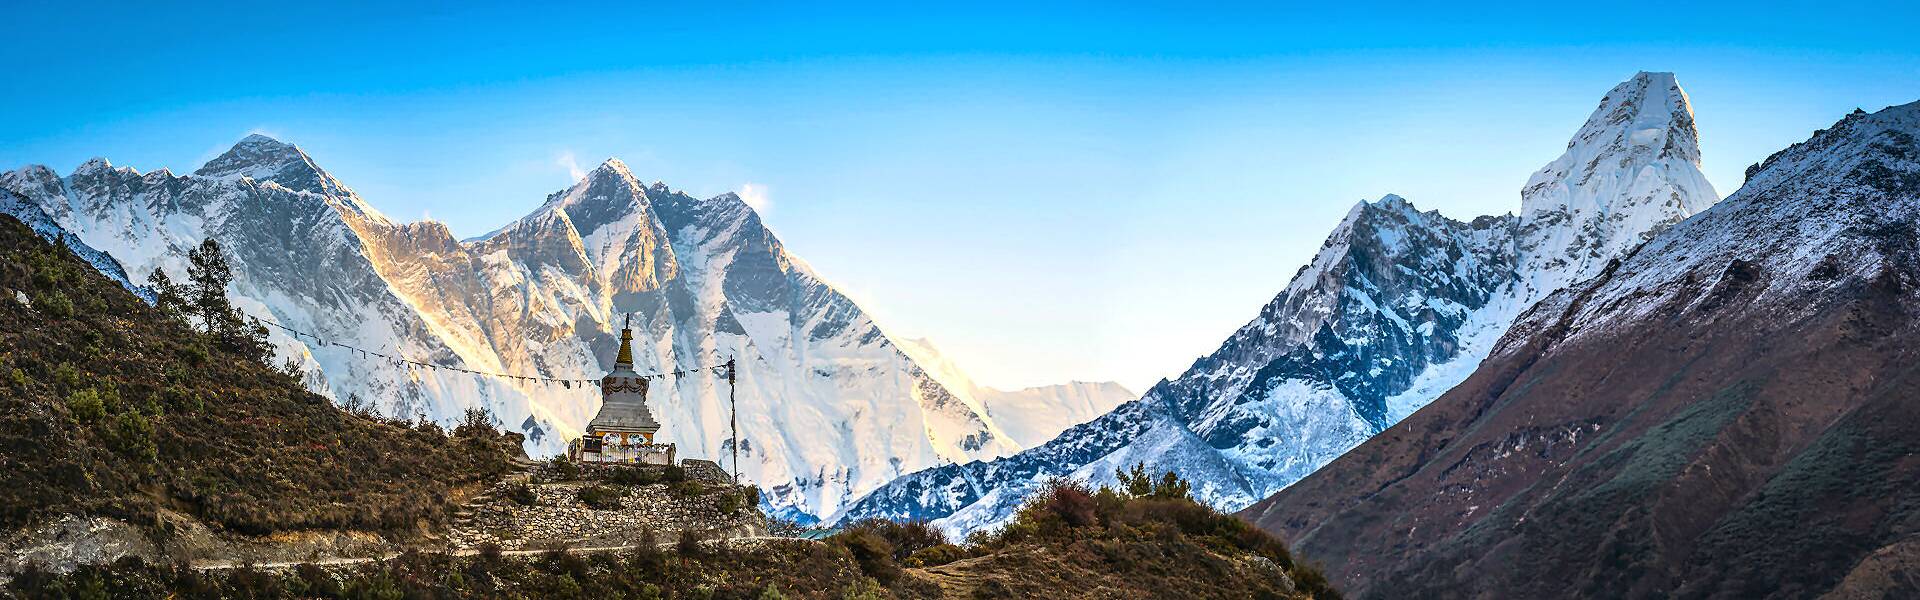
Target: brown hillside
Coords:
[(108, 408), (1730, 412)]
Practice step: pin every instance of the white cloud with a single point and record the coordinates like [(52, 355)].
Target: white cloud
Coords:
[(756, 196), (567, 161)]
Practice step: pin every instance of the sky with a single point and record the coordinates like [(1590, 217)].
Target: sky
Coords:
[(1048, 192)]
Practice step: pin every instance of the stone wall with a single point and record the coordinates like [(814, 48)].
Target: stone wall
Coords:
[(558, 517)]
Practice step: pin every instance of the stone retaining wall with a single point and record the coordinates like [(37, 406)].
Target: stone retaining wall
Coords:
[(558, 517)]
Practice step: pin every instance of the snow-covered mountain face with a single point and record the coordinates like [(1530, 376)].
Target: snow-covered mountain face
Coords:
[(1031, 416), (1397, 307), (1726, 411), (1837, 208), (829, 407), (1630, 173)]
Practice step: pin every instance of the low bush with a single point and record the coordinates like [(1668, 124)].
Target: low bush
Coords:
[(86, 406), (601, 497), (521, 494), (1150, 509), (871, 551), (687, 489), (55, 304), (562, 469), (738, 500), (689, 543), (644, 474), (936, 556)]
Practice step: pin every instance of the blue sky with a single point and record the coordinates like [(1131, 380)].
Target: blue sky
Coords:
[(1048, 192)]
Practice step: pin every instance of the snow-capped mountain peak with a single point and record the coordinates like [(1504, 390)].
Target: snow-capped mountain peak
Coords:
[(829, 408), (1396, 307), (1631, 171), (263, 158)]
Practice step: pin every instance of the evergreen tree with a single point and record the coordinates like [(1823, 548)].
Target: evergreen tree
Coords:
[(1140, 484), (206, 297), (168, 296), (207, 276)]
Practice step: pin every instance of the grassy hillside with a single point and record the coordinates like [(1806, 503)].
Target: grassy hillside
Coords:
[(109, 408)]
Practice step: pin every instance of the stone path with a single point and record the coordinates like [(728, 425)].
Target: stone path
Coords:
[(331, 562)]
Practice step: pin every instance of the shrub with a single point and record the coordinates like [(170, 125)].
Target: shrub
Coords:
[(132, 435), (936, 556), (1313, 582), (490, 553), (568, 563), (476, 422), (521, 494), (600, 497), (317, 582), (633, 475), (195, 354), (182, 400), (1137, 483), (1070, 500), (86, 405), (55, 304), (67, 376), (687, 489), (738, 500), (563, 469), (905, 539), (689, 543), (872, 552)]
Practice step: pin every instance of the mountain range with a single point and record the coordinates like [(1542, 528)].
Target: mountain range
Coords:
[(1397, 307), (1727, 411), (829, 405)]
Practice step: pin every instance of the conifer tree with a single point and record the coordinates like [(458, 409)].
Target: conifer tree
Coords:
[(168, 296), (206, 297), (207, 276)]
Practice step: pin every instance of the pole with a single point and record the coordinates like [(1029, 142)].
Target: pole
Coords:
[(733, 421)]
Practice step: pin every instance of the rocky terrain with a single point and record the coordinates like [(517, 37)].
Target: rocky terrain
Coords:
[(1398, 306), (548, 512), (1725, 412)]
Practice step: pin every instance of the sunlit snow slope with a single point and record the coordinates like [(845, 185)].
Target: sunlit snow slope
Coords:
[(829, 407)]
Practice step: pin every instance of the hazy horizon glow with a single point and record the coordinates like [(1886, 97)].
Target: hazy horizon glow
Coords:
[(1049, 194)]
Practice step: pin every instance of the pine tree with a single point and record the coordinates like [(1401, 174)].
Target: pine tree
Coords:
[(206, 297), (168, 296), (207, 276)]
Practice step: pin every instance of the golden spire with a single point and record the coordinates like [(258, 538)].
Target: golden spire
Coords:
[(626, 344)]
